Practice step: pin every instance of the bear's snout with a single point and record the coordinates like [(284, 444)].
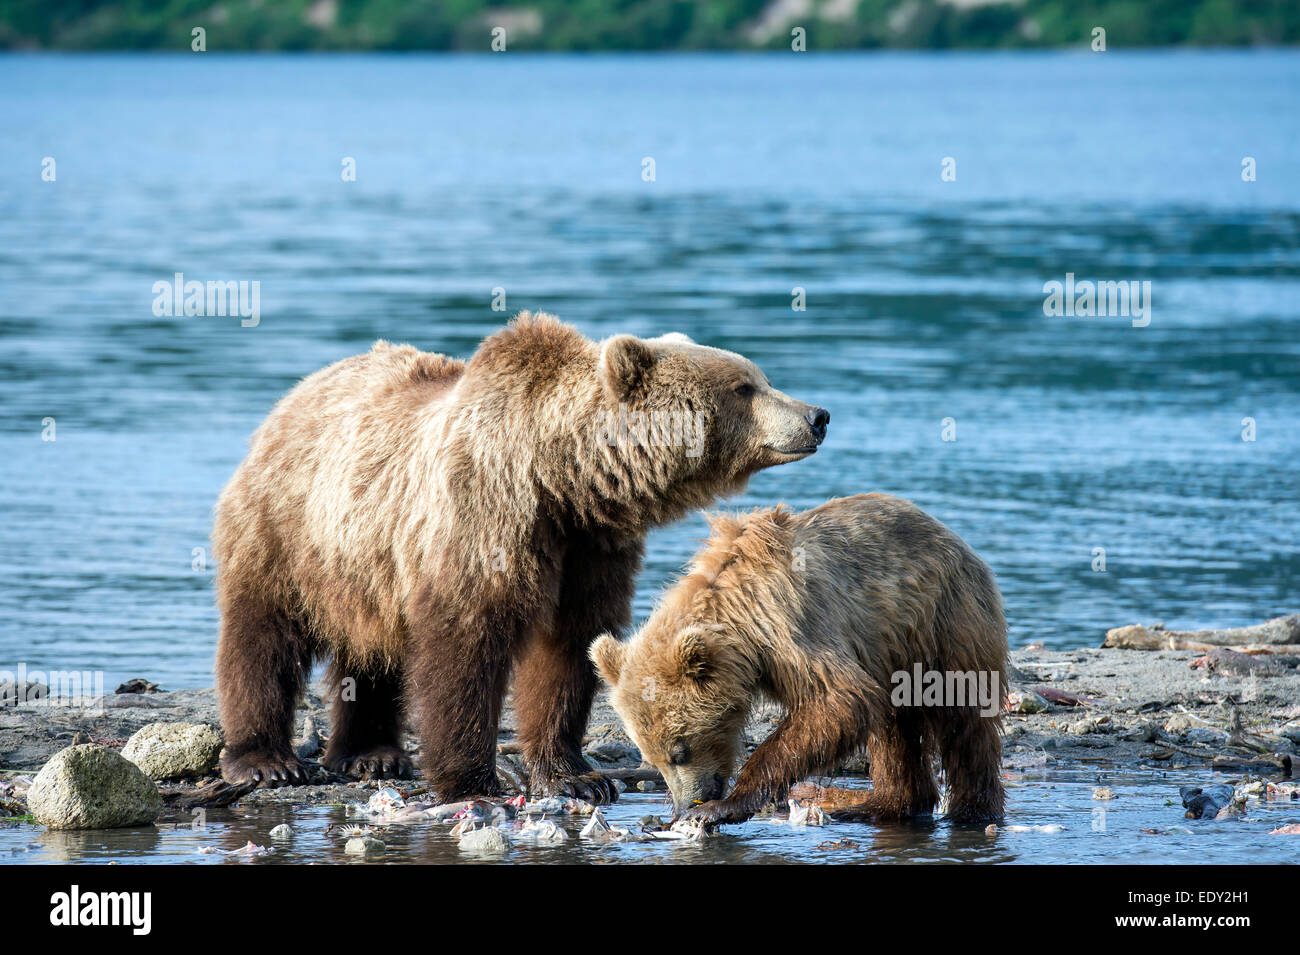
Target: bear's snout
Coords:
[(818, 419), (705, 787)]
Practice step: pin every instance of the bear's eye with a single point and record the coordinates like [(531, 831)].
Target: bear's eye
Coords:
[(744, 389), (680, 754)]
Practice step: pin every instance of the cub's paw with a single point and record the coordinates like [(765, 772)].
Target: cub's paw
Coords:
[(594, 787), (265, 768), (714, 813), (380, 762)]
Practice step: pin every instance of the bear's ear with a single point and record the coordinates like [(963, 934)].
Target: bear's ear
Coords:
[(675, 338), (693, 654), (607, 653), (625, 360)]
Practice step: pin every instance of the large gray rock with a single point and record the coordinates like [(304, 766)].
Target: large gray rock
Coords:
[(173, 750), (92, 787)]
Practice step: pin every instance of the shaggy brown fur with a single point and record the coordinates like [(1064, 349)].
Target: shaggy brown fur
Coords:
[(432, 523), (818, 611)]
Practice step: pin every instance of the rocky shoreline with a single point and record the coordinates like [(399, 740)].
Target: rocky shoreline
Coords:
[(1110, 707)]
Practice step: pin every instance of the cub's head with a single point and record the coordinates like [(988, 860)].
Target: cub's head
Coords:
[(708, 417), (683, 700)]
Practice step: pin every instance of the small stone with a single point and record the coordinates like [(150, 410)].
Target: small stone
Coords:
[(613, 752), (620, 785), (1026, 701), (137, 685), (1148, 731), (1082, 728), (281, 832), (309, 744), (488, 841), (647, 786), (1181, 723), (1102, 793), (365, 846), (92, 787), (13, 693), (173, 750)]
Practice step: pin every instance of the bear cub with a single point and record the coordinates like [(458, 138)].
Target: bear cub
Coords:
[(835, 614)]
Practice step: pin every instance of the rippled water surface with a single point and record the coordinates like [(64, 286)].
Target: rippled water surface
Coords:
[(1143, 824), (924, 302)]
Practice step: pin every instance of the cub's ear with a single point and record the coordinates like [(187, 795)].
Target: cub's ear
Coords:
[(625, 360), (693, 654), (607, 653)]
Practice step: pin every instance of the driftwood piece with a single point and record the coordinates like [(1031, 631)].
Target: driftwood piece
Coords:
[(1280, 630), (1272, 763), (211, 795)]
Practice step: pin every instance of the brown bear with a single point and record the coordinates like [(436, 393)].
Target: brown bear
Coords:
[(433, 524), (836, 614)]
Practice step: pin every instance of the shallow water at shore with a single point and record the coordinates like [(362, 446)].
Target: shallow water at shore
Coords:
[(1092, 832)]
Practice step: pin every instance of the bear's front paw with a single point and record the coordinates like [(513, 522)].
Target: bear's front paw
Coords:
[(715, 813), (382, 762), (594, 787), (265, 769)]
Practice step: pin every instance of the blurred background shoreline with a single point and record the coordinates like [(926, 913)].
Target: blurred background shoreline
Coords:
[(595, 25)]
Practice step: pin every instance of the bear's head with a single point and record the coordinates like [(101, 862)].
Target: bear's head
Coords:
[(700, 419), (683, 696)]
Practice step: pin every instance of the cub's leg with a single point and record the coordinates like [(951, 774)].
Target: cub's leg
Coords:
[(456, 672), (972, 760), (903, 785), (263, 657), (814, 737), (555, 680), (366, 721)]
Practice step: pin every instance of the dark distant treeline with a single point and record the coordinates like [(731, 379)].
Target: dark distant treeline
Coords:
[(590, 25)]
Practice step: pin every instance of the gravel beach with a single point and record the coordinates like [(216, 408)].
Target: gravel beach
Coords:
[(1153, 708)]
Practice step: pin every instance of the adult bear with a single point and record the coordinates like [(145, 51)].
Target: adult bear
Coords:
[(432, 524)]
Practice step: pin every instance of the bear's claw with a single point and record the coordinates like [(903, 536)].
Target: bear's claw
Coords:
[(265, 769), (714, 813), (594, 787), (384, 762)]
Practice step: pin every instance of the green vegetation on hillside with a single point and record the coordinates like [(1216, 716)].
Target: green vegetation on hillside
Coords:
[(591, 25)]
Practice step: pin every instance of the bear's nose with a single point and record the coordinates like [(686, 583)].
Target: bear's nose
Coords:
[(818, 419)]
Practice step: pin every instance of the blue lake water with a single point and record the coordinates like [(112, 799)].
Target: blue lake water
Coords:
[(924, 297)]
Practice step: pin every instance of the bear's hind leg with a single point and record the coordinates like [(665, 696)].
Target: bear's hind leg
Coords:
[(903, 785), (366, 721), (262, 660), (972, 761)]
